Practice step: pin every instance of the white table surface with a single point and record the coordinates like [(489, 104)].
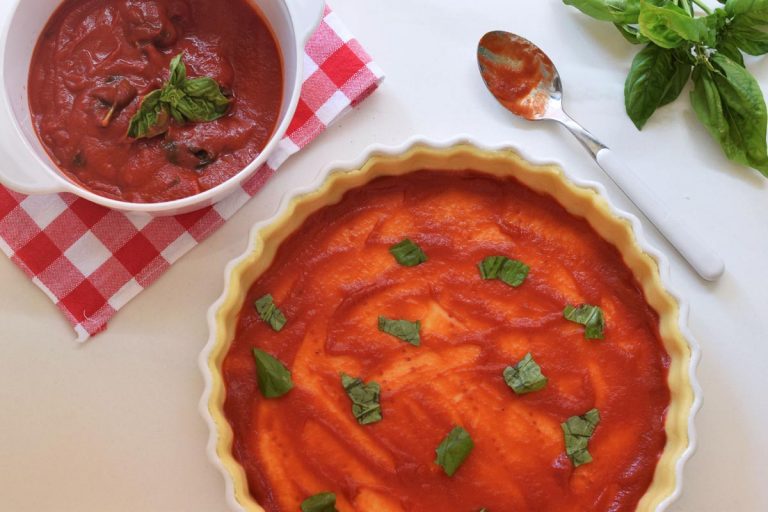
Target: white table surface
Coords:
[(113, 424)]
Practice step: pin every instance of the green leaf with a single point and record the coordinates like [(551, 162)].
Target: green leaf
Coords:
[(186, 100), (656, 78), (511, 272), (273, 377), (591, 317), (403, 329), (268, 312), (631, 33), (670, 26), (178, 71), (322, 502), (755, 8), (615, 11), (729, 102), (407, 253), (454, 450), (525, 376), (577, 431), (365, 399), (151, 119), (744, 33), (731, 50)]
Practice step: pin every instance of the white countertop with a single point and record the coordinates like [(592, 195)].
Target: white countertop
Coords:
[(112, 424)]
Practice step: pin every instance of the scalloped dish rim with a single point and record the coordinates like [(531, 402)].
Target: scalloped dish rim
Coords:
[(581, 198)]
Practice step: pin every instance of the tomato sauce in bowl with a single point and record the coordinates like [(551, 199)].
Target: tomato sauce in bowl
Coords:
[(97, 59)]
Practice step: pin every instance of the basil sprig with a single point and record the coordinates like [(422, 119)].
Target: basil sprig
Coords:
[(268, 312), (591, 317), (321, 502), (408, 253), (509, 271), (577, 431), (680, 45), (403, 329), (525, 376), (453, 450), (181, 98), (273, 377), (365, 399)]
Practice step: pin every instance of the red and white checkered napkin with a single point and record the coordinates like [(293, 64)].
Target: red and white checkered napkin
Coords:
[(91, 261)]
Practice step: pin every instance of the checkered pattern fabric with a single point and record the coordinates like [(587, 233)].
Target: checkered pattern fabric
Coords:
[(90, 261)]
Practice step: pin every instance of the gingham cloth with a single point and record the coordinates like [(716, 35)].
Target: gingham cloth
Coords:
[(90, 261)]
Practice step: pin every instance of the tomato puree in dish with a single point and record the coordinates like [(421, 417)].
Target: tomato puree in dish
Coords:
[(96, 59), (334, 276)]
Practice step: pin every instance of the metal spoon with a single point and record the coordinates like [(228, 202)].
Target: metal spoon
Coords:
[(523, 79)]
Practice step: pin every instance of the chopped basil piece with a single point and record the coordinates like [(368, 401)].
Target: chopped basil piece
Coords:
[(273, 377), (525, 376), (591, 317), (509, 271), (578, 430), (403, 329), (322, 502), (269, 312), (365, 399), (454, 449), (407, 253)]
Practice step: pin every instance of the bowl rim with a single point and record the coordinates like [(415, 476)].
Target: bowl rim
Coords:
[(184, 204), (376, 150)]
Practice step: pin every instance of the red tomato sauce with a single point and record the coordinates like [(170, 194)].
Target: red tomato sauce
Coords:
[(517, 75), (94, 54), (334, 276)]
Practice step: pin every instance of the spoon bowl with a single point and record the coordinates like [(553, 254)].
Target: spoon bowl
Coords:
[(518, 74), (526, 82)]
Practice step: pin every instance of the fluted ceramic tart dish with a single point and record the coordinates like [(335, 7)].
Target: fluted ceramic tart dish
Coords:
[(448, 326)]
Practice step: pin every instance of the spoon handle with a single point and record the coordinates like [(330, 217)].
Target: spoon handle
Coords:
[(690, 246)]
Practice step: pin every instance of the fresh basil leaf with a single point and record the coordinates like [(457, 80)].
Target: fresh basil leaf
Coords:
[(731, 50), (322, 502), (525, 376), (268, 312), (151, 119), (407, 253), (577, 431), (591, 317), (186, 100), (365, 399), (615, 11), (729, 102), (743, 32), (273, 377), (178, 71), (511, 272), (656, 78), (204, 100), (755, 8), (631, 33), (669, 26), (171, 96), (403, 329), (454, 450)]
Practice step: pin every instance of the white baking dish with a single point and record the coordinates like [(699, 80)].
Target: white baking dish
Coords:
[(650, 266)]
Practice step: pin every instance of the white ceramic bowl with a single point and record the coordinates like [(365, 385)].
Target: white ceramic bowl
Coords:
[(239, 274), (26, 166)]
